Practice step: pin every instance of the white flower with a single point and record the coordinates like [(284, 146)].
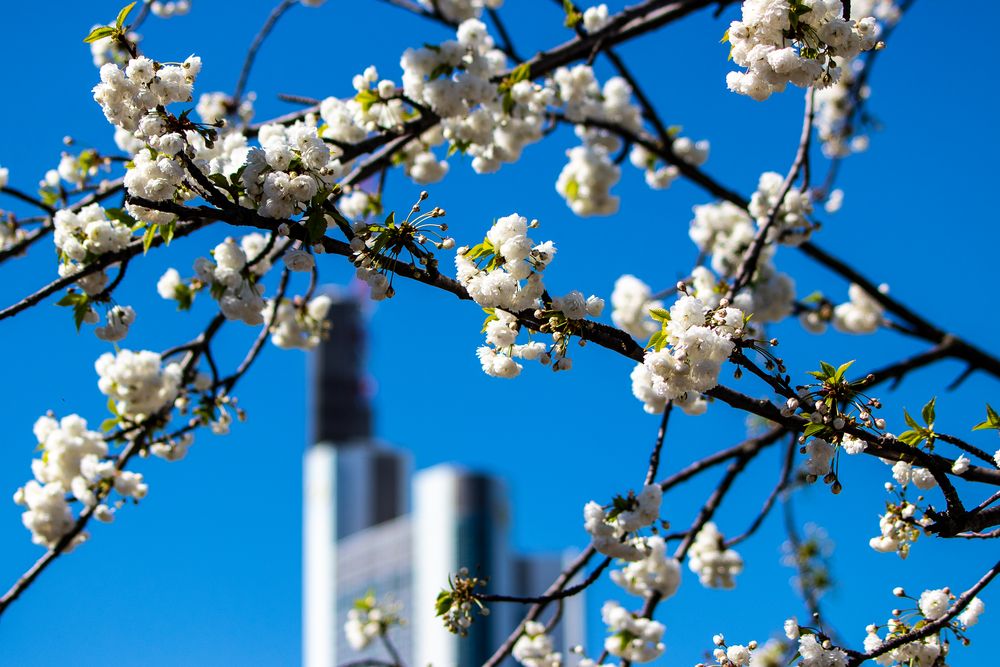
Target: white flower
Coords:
[(853, 445), (595, 18), (632, 637), (738, 655), (960, 465), (934, 603), (630, 305), (970, 615), (168, 283), (655, 573), (120, 318), (861, 315), (299, 260), (814, 654), (137, 383)]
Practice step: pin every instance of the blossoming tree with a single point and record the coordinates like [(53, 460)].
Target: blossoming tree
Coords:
[(307, 189)]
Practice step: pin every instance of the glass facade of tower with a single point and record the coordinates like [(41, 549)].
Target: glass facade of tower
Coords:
[(360, 534)]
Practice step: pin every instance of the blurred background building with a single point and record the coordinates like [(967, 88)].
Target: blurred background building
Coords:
[(371, 524)]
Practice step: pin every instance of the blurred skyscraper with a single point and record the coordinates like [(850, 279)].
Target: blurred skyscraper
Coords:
[(360, 533)]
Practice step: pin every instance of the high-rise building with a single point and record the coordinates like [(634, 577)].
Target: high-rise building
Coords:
[(360, 533)]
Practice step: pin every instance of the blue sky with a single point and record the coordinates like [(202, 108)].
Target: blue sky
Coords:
[(206, 570)]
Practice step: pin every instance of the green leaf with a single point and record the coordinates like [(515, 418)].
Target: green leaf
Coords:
[(813, 429), (992, 420), (839, 375), (443, 603), (112, 408), (184, 296), (572, 190), (316, 225), (109, 423), (390, 220), (121, 216), (912, 438), (147, 238), (656, 341), (80, 311), (725, 37), (123, 14), (910, 421), (660, 314), (167, 232), (815, 297), (508, 103), (928, 412), (572, 16), (72, 299), (491, 316), (366, 98), (99, 33), (828, 369)]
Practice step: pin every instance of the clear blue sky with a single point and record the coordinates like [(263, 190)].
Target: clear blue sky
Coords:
[(207, 569)]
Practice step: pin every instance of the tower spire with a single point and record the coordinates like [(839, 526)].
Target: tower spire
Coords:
[(341, 412)]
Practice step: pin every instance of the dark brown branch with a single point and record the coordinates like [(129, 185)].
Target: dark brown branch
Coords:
[(654, 456), (748, 263), (131, 250), (783, 479), (258, 41), (536, 609), (933, 626), (557, 595)]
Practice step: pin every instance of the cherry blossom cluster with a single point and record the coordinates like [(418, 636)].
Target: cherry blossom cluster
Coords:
[(792, 226), (74, 466), (498, 356), (659, 176), (655, 574), (137, 382), (130, 97), (457, 603), (376, 244), (492, 123), (724, 231), (503, 274), (369, 619), (685, 357), (610, 526), (631, 301), (732, 655), (631, 637), (861, 314), (793, 41), (898, 527), (714, 563), (292, 166), (298, 324), (836, 105), (119, 319), (586, 181), (534, 648), (231, 278), (83, 236), (928, 651)]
